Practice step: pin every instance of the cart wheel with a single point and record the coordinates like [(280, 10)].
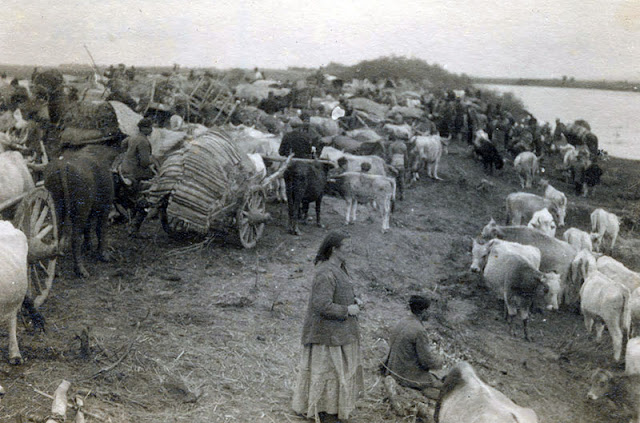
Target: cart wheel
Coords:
[(250, 229), (36, 217)]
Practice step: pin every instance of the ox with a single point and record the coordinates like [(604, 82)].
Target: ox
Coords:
[(362, 187), (527, 167), (558, 199), (305, 183), (428, 150), (622, 389), (354, 163), (511, 273), (556, 255), (266, 146), (604, 223), (542, 220), (605, 302), (15, 178), (522, 205), (488, 154), (632, 356), (399, 132), (464, 397), (579, 239), (81, 184)]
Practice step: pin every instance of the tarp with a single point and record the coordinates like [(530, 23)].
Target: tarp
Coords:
[(127, 118)]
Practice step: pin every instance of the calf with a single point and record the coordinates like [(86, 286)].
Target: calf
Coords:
[(606, 303), (464, 397), (542, 220), (558, 199), (622, 389), (522, 205), (604, 224), (428, 150), (360, 187), (527, 167), (305, 183), (489, 155), (580, 240)]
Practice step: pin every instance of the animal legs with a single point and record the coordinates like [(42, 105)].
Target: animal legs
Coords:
[(14, 351)]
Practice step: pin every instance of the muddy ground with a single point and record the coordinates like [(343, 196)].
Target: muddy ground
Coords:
[(186, 332)]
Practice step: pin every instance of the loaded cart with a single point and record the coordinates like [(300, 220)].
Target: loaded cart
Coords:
[(208, 184)]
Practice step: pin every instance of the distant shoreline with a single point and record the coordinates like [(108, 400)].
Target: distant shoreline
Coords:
[(631, 86)]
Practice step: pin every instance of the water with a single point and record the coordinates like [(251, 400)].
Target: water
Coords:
[(614, 116)]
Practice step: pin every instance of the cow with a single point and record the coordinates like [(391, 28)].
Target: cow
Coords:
[(516, 279), (527, 167), (617, 271), (464, 397), (634, 309), (428, 150), (15, 178), (542, 220), (606, 302), (480, 253), (489, 155), (81, 184), (556, 255), (522, 205), (558, 199), (306, 183), (13, 281), (362, 187), (354, 163), (400, 132), (604, 223), (579, 239), (632, 355), (582, 264), (622, 389), (266, 146)]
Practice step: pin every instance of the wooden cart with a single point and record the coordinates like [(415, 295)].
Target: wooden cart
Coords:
[(35, 215), (209, 184)]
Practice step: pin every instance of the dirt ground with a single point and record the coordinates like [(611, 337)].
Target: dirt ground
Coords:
[(209, 332)]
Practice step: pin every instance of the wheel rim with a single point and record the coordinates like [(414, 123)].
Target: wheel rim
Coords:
[(36, 217), (248, 232)]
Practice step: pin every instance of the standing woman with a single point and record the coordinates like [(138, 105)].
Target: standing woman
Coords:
[(331, 374)]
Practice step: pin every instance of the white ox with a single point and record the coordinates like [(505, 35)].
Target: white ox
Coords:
[(354, 163), (527, 167), (364, 188), (427, 151), (465, 398), (522, 205), (606, 302), (632, 356), (542, 220), (511, 272), (604, 224), (15, 178), (579, 239), (557, 198), (618, 272), (400, 132), (13, 281)]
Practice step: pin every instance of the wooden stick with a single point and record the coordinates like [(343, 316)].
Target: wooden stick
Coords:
[(59, 406), (44, 394)]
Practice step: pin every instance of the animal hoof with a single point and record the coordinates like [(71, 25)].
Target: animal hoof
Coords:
[(16, 361)]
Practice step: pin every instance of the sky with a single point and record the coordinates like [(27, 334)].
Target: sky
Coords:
[(586, 39)]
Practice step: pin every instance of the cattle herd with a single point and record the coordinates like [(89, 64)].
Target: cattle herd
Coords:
[(368, 141)]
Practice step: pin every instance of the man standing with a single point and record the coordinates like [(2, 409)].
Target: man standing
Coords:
[(300, 140)]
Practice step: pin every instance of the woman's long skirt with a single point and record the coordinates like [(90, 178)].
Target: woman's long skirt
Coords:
[(330, 380)]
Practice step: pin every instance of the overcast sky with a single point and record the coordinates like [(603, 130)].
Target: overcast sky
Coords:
[(542, 38)]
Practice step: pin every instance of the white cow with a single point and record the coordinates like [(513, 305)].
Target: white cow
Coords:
[(558, 199), (15, 178), (583, 263), (428, 150), (522, 205), (579, 239), (13, 281), (480, 252), (465, 398), (362, 187), (527, 167), (354, 163), (618, 272), (604, 224), (400, 132), (634, 309), (606, 302), (543, 221), (632, 356)]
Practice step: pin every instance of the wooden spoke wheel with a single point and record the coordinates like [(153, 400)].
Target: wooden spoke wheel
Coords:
[(36, 217), (250, 218)]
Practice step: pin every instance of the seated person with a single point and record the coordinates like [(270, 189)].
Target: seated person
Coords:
[(411, 357)]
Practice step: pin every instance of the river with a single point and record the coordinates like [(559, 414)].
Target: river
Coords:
[(613, 115)]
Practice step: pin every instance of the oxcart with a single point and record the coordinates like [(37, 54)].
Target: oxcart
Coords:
[(208, 184), (34, 214)]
